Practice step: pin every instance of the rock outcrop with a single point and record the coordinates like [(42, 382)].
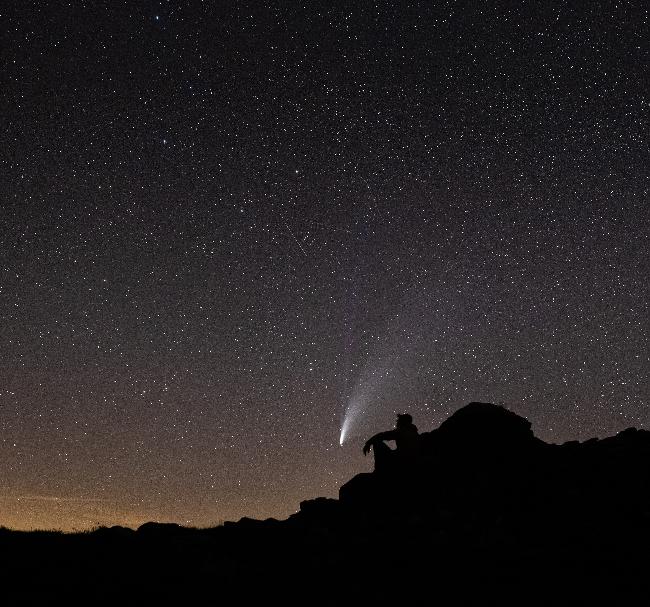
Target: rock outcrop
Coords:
[(486, 514), (486, 459)]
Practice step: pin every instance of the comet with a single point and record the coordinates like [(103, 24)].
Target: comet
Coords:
[(384, 374), (366, 394)]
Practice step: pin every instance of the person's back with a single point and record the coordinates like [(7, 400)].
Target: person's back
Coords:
[(407, 439)]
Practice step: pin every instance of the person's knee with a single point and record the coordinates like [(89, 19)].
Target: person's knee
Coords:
[(381, 446)]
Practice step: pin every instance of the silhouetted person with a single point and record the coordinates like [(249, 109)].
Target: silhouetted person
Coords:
[(406, 439)]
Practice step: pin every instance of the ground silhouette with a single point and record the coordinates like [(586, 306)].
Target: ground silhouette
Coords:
[(486, 514)]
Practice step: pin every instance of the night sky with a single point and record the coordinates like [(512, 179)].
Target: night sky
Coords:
[(223, 224)]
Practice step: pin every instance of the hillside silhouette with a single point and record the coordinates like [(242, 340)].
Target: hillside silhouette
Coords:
[(485, 514)]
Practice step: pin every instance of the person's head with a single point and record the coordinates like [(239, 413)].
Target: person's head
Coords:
[(403, 419)]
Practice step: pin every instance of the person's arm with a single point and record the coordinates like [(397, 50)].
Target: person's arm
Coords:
[(388, 435)]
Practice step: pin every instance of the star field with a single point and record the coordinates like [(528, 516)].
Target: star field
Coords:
[(220, 221)]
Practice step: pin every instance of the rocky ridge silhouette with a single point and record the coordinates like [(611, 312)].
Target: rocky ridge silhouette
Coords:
[(487, 514)]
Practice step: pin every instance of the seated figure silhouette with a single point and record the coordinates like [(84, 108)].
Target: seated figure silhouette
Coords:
[(406, 439)]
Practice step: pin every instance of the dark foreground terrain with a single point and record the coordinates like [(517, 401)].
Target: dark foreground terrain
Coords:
[(487, 515)]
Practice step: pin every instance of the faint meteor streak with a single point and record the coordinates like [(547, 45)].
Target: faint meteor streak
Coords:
[(286, 225)]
